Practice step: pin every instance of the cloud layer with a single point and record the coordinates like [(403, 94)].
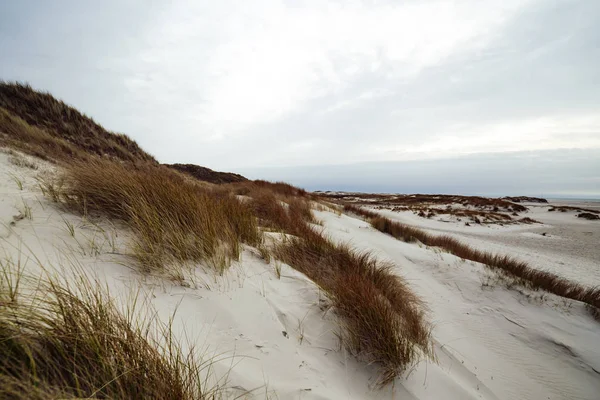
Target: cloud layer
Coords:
[(236, 84)]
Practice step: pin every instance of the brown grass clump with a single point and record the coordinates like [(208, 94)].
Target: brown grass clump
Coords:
[(43, 111), (528, 220), (16, 133), (588, 215), (570, 208), (70, 341), (363, 212), (270, 210), (281, 188), (403, 232), (529, 277), (275, 210), (383, 321), (528, 199), (207, 174), (174, 220), (486, 215)]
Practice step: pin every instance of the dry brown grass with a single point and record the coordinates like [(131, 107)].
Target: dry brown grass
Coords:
[(44, 112), (526, 199), (363, 212), (383, 321), (571, 208), (70, 341), (527, 276), (176, 220), (427, 200), (206, 174), (486, 215), (276, 208), (16, 133), (173, 219), (475, 215), (281, 188), (270, 210)]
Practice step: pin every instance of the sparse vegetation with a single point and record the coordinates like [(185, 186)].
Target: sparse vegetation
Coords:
[(525, 199), (529, 277), (281, 188), (589, 216), (22, 162), (479, 210), (25, 210), (528, 220), (383, 321), (17, 181), (412, 200), (570, 208)]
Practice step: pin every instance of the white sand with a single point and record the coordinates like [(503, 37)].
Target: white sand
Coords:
[(570, 247), (490, 343)]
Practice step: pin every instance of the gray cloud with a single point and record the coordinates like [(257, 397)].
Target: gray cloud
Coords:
[(236, 87), (552, 173)]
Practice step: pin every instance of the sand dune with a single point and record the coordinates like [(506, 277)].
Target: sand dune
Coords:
[(271, 337)]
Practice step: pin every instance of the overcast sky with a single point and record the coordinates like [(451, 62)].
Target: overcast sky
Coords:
[(269, 87)]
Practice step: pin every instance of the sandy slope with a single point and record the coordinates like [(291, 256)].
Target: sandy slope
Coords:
[(568, 248), (275, 338), (516, 347)]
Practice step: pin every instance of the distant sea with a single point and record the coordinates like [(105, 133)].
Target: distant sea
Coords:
[(593, 204)]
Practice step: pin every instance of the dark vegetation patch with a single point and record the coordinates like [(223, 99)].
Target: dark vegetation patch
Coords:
[(281, 188), (207, 174), (528, 220), (571, 208), (61, 121), (590, 216), (525, 199), (18, 134)]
